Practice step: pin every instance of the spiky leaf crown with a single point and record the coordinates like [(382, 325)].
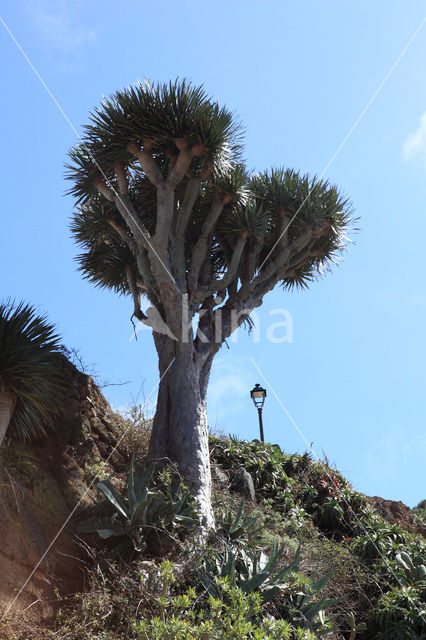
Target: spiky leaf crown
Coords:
[(159, 117)]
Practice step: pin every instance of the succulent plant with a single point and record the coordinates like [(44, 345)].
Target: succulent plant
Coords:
[(413, 566), (144, 507), (249, 571), (239, 528)]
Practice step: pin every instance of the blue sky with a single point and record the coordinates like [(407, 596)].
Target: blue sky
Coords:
[(299, 74)]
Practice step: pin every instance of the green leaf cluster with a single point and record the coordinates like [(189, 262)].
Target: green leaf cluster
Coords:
[(233, 614), (250, 571), (262, 207), (238, 528), (30, 369), (401, 615)]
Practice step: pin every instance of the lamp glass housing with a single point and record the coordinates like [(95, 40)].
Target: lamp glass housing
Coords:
[(258, 395)]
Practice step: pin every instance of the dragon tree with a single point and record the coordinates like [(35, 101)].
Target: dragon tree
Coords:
[(167, 211)]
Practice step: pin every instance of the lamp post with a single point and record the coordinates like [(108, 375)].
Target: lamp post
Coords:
[(258, 395)]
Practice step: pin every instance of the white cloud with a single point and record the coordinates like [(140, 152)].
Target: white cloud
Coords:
[(227, 383), (229, 388), (415, 144), (56, 27)]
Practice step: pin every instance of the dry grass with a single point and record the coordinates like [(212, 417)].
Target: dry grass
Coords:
[(350, 580), (137, 432)]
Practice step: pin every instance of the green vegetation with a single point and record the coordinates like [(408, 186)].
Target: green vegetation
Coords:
[(310, 560), (231, 614), (148, 508), (30, 372), (419, 512)]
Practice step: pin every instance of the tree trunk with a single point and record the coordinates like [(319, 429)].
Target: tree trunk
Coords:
[(7, 406), (180, 429)]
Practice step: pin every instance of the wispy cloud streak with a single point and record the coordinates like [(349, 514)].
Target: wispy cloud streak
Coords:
[(415, 144), (56, 27)]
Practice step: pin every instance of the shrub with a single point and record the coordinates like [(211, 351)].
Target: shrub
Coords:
[(413, 567), (263, 461), (379, 540), (400, 615), (135, 440), (233, 614), (419, 513), (331, 514), (257, 573)]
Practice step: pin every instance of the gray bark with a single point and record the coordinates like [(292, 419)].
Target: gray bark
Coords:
[(180, 429), (7, 406)]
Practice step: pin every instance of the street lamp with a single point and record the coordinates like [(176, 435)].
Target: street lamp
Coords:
[(258, 395)]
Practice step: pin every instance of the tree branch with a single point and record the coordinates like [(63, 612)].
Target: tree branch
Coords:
[(183, 214), (286, 251), (147, 162), (144, 268), (201, 246), (178, 171), (249, 270), (131, 280), (250, 295), (148, 281), (124, 235), (219, 285), (131, 218), (302, 256), (126, 209), (105, 190), (165, 204), (185, 210), (122, 179)]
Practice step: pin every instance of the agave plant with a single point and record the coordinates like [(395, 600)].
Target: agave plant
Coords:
[(249, 571), (144, 507), (308, 610), (239, 528), (31, 381), (258, 573)]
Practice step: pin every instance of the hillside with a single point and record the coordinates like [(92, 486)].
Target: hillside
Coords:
[(305, 557)]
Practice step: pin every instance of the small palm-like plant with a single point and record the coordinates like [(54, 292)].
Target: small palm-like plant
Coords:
[(31, 381)]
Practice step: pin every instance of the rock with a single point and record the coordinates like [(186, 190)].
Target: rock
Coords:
[(396, 512), (243, 484), (220, 475), (49, 498), (151, 578)]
